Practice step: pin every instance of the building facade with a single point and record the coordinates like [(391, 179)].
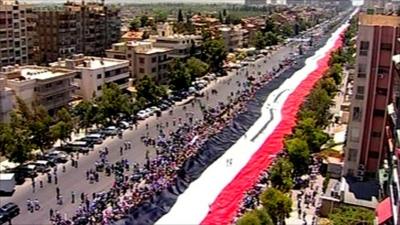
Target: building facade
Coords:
[(16, 33), (366, 144), (94, 73), (51, 88), (232, 36), (88, 28), (144, 58), (6, 101)]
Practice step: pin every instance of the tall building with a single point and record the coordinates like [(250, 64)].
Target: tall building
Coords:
[(16, 37), (50, 87), (366, 145), (88, 28), (94, 73), (145, 59)]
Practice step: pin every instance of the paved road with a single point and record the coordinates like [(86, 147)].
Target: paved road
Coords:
[(74, 179)]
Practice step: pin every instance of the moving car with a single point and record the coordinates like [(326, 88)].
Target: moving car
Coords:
[(42, 166)]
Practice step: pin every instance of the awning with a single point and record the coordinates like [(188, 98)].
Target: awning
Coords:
[(384, 210)]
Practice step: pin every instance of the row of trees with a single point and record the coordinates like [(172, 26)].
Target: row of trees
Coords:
[(33, 128)]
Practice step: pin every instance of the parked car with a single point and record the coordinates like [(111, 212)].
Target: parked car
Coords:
[(163, 106), (43, 166), (142, 114), (124, 125), (78, 145), (94, 138), (58, 156), (149, 111), (111, 130), (155, 109), (8, 212)]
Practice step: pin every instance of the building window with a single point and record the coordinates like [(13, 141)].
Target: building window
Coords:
[(356, 113), (354, 134), (376, 134), (352, 154), (364, 47), (154, 69), (98, 76), (386, 46), (154, 59), (373, 154), (362, 70), (383, 70), (141, 70), (381, 91), (379, 112), (141, 60), (360, 92)]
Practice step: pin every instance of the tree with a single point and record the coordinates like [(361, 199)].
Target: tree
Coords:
[(299, 154), (63, 128), (259, 41), (214, 53), (112, 103), (280, 175), (220, 18), (271, 39), (277, 204), (87, 114), (308, 130), (134, 24), (224, 12), (145, 35), (147, 89), (263, 216), (287, 30), (335, 71), (180, 16), (179, 75), (249, 218), (196, 67), (346, 215), (161, 16), (144, 20), (41, 136), (269, 25)]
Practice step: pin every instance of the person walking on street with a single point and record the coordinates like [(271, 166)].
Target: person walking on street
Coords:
[(57, 192), (55, 179), (121, 151), (36, 204), (51, 213), (72, 197), (40, 183)]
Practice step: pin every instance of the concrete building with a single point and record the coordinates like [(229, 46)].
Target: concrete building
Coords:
[(182, 45), (94, 73), (50, 87), (373, 91), (6, 101), (144, 58), (16, 33), (232, 36), (255, 2), (88, 28)]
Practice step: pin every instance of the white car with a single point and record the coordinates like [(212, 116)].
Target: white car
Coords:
[(149, 111), (142, 114)]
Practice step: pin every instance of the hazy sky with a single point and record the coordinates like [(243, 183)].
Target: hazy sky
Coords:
[(156, 1)]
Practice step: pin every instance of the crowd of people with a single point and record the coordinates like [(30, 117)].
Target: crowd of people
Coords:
[(134, 184)]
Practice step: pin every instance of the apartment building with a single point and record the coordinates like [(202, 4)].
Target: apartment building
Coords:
[(366, 145), (94, 73), (16, 33), (6, 101), (255, 2), (88, 28), (232, 36), (50, 87), (144, 58)]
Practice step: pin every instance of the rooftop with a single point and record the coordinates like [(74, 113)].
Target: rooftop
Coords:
[(379, 20), (33, 72), (88, 62)]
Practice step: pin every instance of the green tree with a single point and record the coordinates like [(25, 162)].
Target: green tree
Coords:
[(144, 20), (134, 24), (308, 130), (299, 154), (263, 216), (161, 16), (87, 113), (346, 215), (277, 204), (149, 90), (196, 67), (249, 218), (214, 53), (287, 30), (269, 25), (179, 76), (259, 41), (220, 18), (271, 39), (180, 16), (63, 128), (280, 175), (112, 103), (41, 136), (335, 71)]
